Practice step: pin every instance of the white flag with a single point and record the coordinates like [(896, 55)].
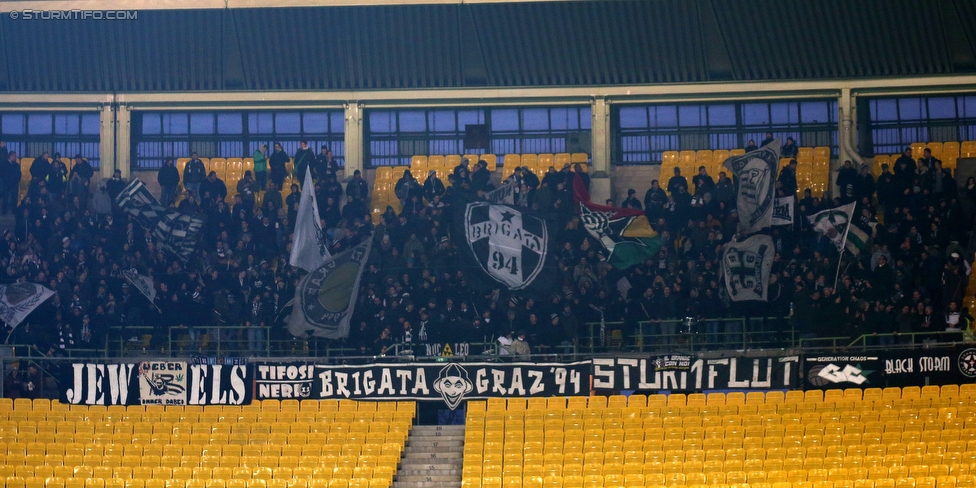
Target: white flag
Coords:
[(755, 174), (18, 300), (839, 226), (308, 249), (144, 284), (503, 194), (326, 297), (746, 265), (783, 211)]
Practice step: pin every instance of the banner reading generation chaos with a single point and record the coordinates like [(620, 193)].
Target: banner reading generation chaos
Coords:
[(452, 383)]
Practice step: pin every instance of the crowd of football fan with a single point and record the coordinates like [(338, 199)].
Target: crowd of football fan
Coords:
[(71, 237)]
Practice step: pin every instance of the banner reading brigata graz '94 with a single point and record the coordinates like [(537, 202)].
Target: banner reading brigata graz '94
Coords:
[(451, 382), (683, 373)]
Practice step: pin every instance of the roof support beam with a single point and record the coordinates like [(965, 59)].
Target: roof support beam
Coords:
[(254, 100)]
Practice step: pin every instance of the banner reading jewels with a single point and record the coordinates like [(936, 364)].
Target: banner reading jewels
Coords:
[(451, 383), (687, 373), (157, 383)]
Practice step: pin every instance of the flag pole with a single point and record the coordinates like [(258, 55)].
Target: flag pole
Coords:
[(840, 260), (843, 244)]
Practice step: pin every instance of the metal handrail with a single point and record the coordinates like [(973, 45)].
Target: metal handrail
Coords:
[(639, 337), (925, 336)]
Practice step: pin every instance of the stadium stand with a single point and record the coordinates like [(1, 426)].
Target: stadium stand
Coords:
[(852, 438)]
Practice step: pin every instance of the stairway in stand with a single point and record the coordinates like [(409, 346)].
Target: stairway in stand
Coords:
[(432, 457)]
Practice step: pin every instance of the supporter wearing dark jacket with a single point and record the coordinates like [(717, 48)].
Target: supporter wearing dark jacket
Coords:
[(278, 163), (357, 188), (10, 176), (193, 174), (676, 181), (215, 187), (169, 181), (703, 182), (787, 179), (304, 157)]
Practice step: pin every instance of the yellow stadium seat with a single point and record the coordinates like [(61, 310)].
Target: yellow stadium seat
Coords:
[(704, 158), (491, 159), (935, 148), (544, 161), (821, 155), (510, 162), (669, 158), (950, 149), (804, 155), (966, 150), (418, 164), (531, 161), (436, 162), (562, 159), (917, 148), (217, 165), (234, 169), (451, 161), (580, 158), (384, 173)]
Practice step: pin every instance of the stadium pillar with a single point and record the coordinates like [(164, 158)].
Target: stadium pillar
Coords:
[(107, 140), (353, 139), (123, 137), (600, 188)]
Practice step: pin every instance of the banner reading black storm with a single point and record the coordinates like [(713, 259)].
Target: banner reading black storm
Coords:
[(452, 383), (934, 366), (157, 383), (687, 373)]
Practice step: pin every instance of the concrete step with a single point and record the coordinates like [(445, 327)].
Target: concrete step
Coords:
[(423, 484), (430, 472), (432, 458), (425, 455), (442, 478), (435, 449), (434, 443), (415, 463), (428, 463)]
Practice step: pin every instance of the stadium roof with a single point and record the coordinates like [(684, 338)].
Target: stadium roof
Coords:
[(465, 45)]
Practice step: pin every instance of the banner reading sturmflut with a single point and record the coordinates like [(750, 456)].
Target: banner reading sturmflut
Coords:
[(452, 383), (689, 373), (755, 172), (325, 298), (746, 265)]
